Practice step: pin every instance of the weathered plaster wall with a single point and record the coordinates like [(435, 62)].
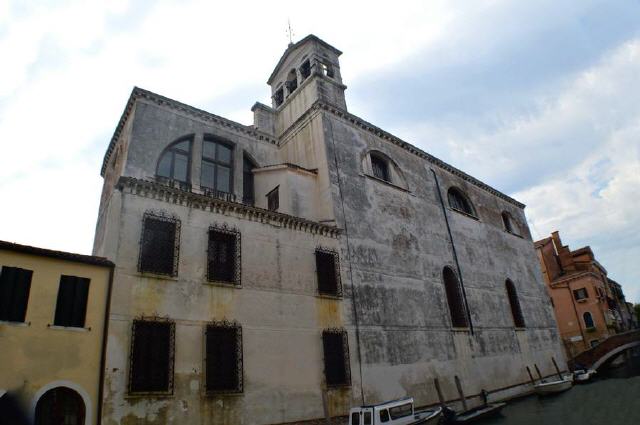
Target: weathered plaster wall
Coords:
[(36, 356), (398, 244)]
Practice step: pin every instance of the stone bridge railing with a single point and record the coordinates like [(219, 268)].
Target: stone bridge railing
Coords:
[(595, 356)]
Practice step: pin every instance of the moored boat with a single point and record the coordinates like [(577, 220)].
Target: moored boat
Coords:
[(396, 412), (553, 386), (582, 376), (469, 416)]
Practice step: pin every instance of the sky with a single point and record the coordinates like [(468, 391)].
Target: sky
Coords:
[(541, 100)]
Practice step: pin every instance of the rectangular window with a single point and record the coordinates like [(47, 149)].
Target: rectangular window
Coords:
[(15, 284), (401, 411), (223, 358), (71, 306), (580, 294), (159, 244), (328, 273), (273, 200), (152, 355), (336, 357), (223, 255)]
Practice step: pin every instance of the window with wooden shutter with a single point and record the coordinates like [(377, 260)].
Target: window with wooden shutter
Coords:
[(459, 201), (514, 303), (223, 255), (152, 357), (335, 346), (273, 199), (159, 245), (223, 358), (71, 305), (15, 284), (455, 299), (328, 272)]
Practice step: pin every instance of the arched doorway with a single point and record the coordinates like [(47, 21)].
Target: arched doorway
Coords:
[(60, 406)]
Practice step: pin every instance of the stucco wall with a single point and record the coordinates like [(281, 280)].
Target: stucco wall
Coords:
[(36, 356)]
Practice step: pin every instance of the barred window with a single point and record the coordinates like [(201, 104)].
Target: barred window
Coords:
[(15, 284), (380, 168), (152, 356), (454, 299), (273, 199), (223, 255), (335, 345), (223, 358), (516, 311), (328, 272), (159, 244), (459, 201), (71, 305)]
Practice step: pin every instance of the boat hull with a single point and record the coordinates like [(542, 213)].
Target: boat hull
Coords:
[(554, 387), (431, 416)]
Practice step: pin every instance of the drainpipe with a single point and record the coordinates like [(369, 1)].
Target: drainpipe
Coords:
[(453, 248), (103, 356)]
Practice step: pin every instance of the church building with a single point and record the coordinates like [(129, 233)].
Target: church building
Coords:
[(285, 271)]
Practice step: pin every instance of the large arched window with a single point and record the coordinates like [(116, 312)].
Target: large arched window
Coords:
[(175, 160), (60, 405), (459, 201), (514, 303), (217, 165), (588, 320), (248, 196), (454, 298)]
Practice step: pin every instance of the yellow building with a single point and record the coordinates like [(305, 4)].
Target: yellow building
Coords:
[(52, 331)]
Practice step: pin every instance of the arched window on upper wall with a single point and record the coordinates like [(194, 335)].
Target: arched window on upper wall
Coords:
[(514, 303), (217, 165), (292, 81), (248, 196), (588, 320), (454, 299), (380, 167), (509, 223), (175, 161), (459, 201)]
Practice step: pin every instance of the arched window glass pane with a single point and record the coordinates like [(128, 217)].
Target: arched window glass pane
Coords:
[(247, 181), (217, 166), (514, 303), (454, 299), (174, 163)]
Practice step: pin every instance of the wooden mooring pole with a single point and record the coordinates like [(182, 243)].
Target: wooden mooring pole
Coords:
[(464, 400), (436, 383), (557, 368), (533, 381), (538, 370)]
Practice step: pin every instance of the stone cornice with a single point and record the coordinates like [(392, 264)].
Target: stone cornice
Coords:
[(138, 93), (572, 277), (359, 122), (154, 190)]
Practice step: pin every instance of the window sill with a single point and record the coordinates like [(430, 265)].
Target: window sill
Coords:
[(135, 396), (211, 394), (461, 330), (520, 329), (222, 284), (157, 276), (68, 328), (395, 186), (16, 324), (473, 217), (582, 300), (330, 297), (514, 234)]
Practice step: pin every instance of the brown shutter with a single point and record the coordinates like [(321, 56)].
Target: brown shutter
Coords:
[(15, 285)]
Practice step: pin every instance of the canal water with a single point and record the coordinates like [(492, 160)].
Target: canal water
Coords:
[(612, 398)]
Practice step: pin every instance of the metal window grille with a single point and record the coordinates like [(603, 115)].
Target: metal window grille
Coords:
[(454, 299), (328, 272), (335, 344), (15, 285), (516, 311), (71, 304), (224, 262), (380, 168), (223, 360), (159, 244), (459, 202), (152, 356)]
